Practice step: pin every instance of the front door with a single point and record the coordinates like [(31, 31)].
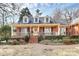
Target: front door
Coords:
[(35, 31)]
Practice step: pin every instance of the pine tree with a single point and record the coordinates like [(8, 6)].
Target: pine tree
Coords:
[(25, 12)]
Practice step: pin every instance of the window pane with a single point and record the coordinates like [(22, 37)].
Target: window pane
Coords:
[(36, 19), (47, 19), (25, 19)]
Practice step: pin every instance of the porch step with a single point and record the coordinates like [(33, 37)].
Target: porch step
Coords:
[(33, 39)]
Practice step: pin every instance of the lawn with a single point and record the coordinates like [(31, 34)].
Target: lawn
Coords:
[(39, 50)]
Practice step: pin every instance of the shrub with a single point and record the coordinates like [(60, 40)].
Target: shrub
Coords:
[(55, 41), (49, 37), (74, 37), (76, 41), (40, 38), (60, 41), (21, 41), (46, 42), (58, 37), (15, 42), (2, 39), (27, 38), (68, 41), (5, 32)]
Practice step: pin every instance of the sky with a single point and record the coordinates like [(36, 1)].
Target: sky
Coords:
[(48, 8)]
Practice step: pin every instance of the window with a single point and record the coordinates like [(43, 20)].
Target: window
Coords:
[(24, 31), (47, 19), (25, 20), (47, 30), (36, 20), (63, 31)]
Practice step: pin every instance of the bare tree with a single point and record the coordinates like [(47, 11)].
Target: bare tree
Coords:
[(57, 14), (68, 15), (9, 10), (4, 11), (15, 9), (76, 13)]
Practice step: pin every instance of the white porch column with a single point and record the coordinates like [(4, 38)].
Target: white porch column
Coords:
[(12, 30), (38, 29), (30, 31), (59, 29)]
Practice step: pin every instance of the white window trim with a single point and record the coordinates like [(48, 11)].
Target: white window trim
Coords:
[(48, 29), (24, 20), (47, 32), (63, 31), (46, 21), (37, 20), (24, 31)]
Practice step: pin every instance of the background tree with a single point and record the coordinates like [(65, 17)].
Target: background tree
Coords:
[(5, 32), (15, 10), (76, 13), (57, 14), (4, 11), (25, 12), (68, 15), (38, 13), (9, 11)]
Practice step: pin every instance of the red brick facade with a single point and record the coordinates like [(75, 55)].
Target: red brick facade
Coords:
[(73, 30)]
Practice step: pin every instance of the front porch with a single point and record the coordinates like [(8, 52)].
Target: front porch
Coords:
[(37, 30)]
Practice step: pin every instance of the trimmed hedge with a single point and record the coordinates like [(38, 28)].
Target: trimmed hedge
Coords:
[(61, 39), (40, 38)]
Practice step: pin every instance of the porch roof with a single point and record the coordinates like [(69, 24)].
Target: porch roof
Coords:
[(35, 25)]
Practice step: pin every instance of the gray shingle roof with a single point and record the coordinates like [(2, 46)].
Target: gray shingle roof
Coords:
[(41, 19)]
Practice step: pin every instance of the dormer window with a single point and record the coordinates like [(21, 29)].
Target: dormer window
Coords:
[(25, 20), (36, 20), (46, 20)]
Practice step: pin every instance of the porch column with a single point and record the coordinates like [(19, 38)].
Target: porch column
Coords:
[(30, 30), (38, 29), (78, 29), (12, 31), (59, 30)]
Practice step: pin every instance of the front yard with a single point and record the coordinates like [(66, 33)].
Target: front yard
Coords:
[(39, 50)]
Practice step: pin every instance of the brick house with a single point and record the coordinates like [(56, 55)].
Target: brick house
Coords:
[(42, 25), (73, 28)]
